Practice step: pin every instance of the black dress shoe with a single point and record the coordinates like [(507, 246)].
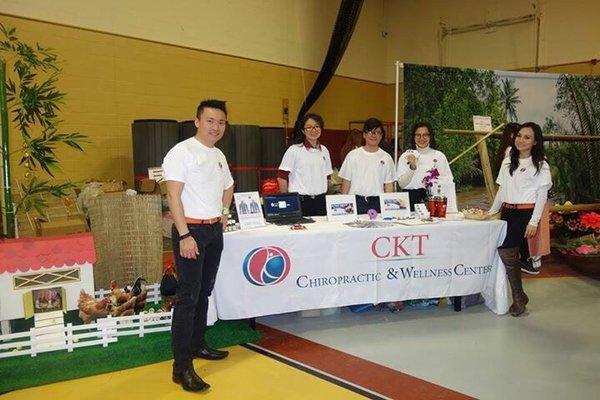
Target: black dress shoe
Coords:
[(210, 354), (190, 381)]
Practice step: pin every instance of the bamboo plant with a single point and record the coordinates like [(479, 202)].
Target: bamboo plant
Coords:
[(33, 101)]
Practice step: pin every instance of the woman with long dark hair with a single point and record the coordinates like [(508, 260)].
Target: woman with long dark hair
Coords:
[(524, 180), (417, 162), (306, 166)]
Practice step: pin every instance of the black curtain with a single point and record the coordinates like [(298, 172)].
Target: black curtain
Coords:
[(342, 33)]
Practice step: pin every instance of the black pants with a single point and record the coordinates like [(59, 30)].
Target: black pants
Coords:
[(364, 204), (313, 205), (516, 223), (196, 279), (416, 196)]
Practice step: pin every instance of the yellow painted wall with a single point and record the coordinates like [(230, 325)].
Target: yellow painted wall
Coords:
[(112, 80), (150, 59), (289, 32)]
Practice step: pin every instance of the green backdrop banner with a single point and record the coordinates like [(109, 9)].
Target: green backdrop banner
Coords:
[(560, 103)]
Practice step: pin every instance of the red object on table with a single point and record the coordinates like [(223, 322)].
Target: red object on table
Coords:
[(440, 207), (432, 207), (46, 252)]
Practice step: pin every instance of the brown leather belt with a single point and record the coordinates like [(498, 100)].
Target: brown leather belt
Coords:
[(209, 221), (527, 206)]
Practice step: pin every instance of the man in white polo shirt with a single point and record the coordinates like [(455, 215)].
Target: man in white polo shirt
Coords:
[(199, 191), (368, 171)]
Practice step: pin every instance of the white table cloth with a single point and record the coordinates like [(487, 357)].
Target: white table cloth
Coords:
[(275, 269)]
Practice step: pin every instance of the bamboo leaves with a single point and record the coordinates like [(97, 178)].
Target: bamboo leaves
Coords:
[(34, 102)]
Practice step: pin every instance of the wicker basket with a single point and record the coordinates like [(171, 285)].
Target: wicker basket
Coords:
[(128, 237), (479, 217)]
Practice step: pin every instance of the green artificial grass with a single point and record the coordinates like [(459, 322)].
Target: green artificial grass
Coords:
[(129, 352)]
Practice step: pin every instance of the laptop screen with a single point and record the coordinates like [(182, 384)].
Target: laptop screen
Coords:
[(282, 205)]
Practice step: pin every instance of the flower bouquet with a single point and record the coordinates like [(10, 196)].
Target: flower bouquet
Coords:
[(578, 239), (430, 178)]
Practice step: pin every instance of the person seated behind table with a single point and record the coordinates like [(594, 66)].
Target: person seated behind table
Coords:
[(368, 171), (415, 163), (305, 168)]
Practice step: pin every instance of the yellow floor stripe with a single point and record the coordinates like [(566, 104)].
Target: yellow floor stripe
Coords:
[(243, 375)]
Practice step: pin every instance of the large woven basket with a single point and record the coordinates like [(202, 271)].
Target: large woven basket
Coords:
[(128, 237)]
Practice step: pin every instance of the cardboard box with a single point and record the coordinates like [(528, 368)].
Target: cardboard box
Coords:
[(61, 226), (112, 186), (148, 186)]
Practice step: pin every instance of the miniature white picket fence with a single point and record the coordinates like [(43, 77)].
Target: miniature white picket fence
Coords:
[(103, 332), (152, 296)]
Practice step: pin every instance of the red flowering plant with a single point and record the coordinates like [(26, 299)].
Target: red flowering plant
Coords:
[(577, 232)]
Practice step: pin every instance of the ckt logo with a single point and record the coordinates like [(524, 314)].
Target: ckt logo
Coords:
[(399, 246)]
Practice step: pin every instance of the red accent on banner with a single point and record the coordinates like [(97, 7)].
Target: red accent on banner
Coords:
[(46, 252)]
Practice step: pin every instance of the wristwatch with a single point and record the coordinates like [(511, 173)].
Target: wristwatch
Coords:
[(225, 211)]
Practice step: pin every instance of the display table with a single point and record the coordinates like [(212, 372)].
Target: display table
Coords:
[(275, 269)]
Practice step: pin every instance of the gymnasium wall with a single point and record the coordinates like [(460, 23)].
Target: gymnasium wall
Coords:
[(111, 80), (149, 59)]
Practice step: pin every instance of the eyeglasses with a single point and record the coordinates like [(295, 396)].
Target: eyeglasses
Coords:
[(312, 128), (422, 135), (376, 132)]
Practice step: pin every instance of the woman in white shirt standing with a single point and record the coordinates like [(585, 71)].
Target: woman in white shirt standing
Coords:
[(306, 166), (368, 171), (415, 164), (524, 181)]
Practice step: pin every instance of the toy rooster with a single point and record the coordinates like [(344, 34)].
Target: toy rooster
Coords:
[(121, 298), (124, 309), (90, 309)]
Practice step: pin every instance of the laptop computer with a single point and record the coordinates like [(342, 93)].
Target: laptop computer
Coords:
[(284, 209)]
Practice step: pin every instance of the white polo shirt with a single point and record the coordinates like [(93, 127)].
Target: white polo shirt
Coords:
[(523, 186), (367, 172), (205, 173), (308, 168)]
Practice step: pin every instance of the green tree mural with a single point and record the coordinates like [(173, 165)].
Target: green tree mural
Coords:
[(577, 165), (448, 98), (510, 99)]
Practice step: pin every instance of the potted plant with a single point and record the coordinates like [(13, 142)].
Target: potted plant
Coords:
[(28, 91), (578, 239)]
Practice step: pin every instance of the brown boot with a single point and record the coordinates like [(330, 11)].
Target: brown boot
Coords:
[(510, 258)]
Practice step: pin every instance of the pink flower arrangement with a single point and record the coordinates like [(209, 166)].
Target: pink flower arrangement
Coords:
[(587, 249), (577, 233)]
